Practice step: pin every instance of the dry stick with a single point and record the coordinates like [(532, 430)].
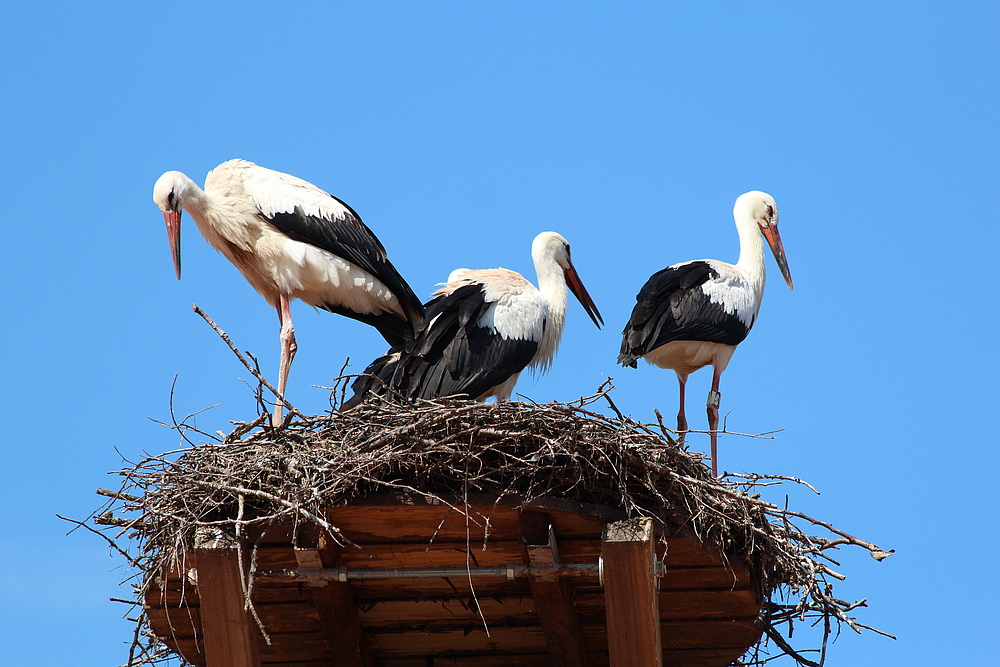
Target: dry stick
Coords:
[(468, 555), (438, 530), (119, 495), (225, 337), (663, 429), (242, 428), (424, 423), (109, 519), (877, 553), (766, 435), (754, 478), (180, 428), (334, 532), (776, 637), (135, 644), (134, 563), (343, 389)]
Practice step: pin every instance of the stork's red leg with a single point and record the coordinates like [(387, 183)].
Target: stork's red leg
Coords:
[(288, 350), (714, 398), (682, 422)]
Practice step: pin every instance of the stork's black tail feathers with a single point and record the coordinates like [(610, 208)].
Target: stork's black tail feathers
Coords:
[(395, 330), (376, 380)]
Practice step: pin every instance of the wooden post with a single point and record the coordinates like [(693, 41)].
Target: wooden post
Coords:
[(553, 595), (630, 594), (230, 632), (335, 605)]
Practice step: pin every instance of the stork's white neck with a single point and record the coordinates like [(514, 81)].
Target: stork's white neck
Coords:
[(751, 261), (218, 218), (552, 285)]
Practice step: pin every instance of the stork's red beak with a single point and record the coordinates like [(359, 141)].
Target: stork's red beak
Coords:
[(576, 285), (774, 240), (173, 220)]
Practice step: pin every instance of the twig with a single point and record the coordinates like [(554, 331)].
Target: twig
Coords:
[(256, 373), (119, 495), (110, 542), (754, 478)]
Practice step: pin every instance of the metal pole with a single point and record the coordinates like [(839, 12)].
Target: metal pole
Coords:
[(512, 571)]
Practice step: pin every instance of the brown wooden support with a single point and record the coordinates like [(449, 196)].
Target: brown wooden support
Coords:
[(553, 595), (338, 614), (630, 590), (230, 632)]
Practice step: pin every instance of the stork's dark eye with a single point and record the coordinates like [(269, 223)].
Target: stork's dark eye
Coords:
[(770, 211), (170, 198)]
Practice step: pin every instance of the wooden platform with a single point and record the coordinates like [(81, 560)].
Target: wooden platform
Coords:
[(706, 609)]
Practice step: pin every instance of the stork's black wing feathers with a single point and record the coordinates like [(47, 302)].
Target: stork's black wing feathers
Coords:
[(351, 239), (451, 355), (672, 306)]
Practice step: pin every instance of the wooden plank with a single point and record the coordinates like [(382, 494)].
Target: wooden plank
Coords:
[(676, 605), (426, 612), (276, 618), (717, 579), (423, 523), (701, 658), (683, 554), (445, 643), (509, 660), (438, 554), (189, 648), (553, 596), (288, 645), (424, 589), (298, 647), (630, 592), (735, 634), (230, 633)]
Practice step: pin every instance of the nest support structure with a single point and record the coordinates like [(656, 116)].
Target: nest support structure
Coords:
[(460, 533)]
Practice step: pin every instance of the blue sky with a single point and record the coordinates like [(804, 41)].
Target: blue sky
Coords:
[(460, 130)]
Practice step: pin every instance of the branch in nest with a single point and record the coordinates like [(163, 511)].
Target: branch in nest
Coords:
[(260, 378)]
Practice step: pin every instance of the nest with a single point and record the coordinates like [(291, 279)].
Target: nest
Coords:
[(258, 476)]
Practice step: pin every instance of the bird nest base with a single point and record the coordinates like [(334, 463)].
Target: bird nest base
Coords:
[(260, 481)]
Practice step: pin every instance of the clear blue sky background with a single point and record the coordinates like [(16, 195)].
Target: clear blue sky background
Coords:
[(460, 130)]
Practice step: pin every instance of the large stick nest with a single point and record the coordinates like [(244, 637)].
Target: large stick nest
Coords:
[(258, 476)]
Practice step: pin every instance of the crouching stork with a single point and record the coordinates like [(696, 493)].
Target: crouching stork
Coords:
[(481, 329)]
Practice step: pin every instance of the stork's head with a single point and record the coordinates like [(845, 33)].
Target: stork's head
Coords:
[(549, 247), (760, 208), (169, 194)]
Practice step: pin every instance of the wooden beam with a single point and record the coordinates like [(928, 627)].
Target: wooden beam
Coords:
[(230, 632), (553, 596), (338, 614), (630, 594)]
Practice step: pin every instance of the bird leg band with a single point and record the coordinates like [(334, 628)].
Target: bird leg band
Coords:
[(714, 398)]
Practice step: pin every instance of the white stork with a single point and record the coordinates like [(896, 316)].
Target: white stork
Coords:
[(481, 329), (291, 240), (693, 314)]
